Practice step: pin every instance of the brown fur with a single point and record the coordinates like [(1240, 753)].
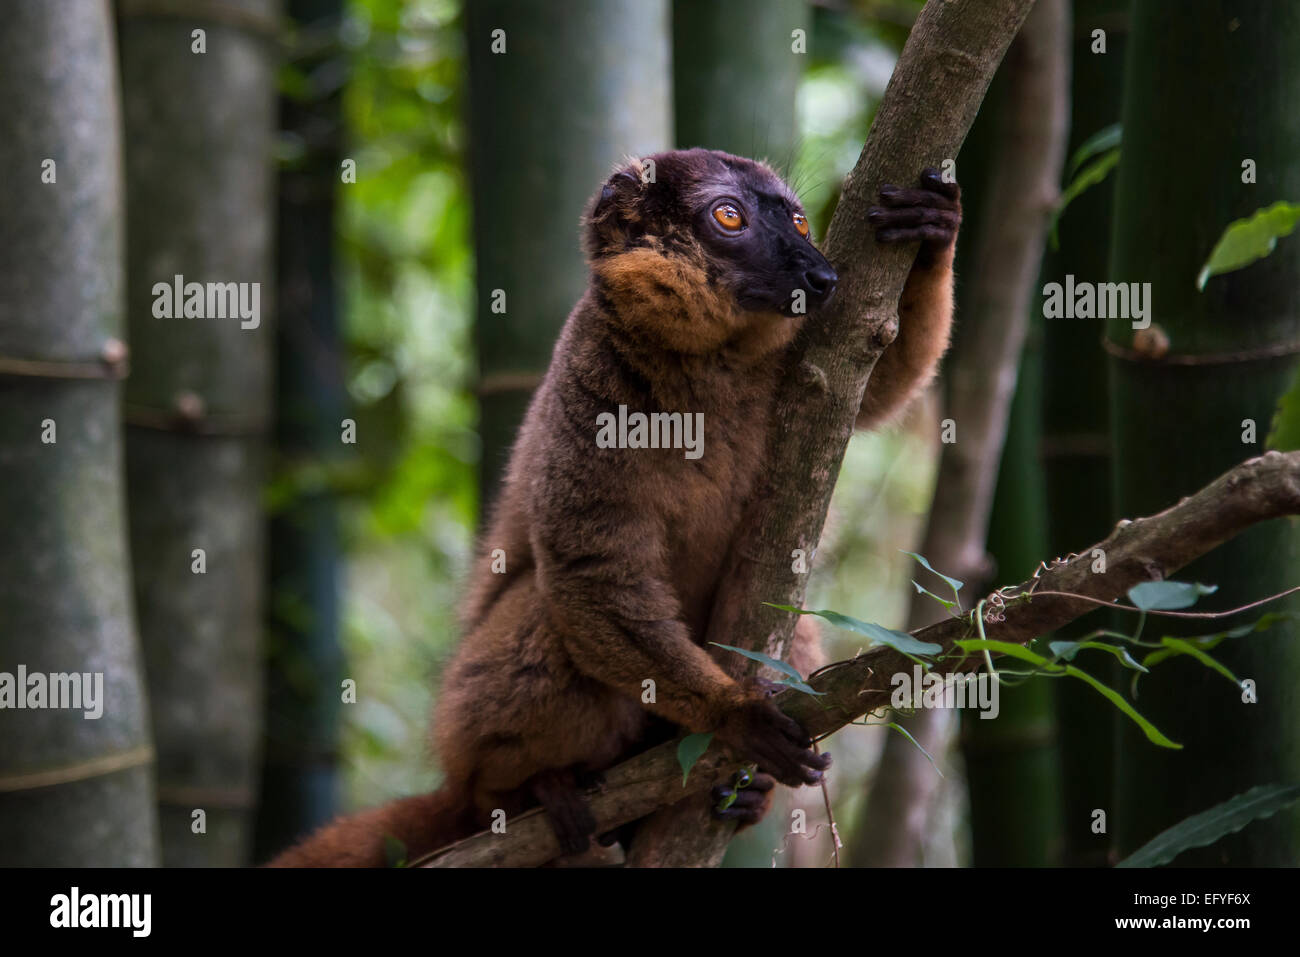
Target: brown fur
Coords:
[(423, 821), (924, 327), (613, 556)]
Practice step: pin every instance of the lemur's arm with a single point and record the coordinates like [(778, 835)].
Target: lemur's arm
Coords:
[(930, 215)]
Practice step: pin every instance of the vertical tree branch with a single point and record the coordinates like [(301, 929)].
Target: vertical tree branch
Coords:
[(1024, 163), (931, 101)]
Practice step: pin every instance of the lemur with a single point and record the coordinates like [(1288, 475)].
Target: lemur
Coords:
[(613, 555)]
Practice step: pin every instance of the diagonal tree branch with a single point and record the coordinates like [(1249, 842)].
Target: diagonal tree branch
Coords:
[(1149, 549), (932, 98)]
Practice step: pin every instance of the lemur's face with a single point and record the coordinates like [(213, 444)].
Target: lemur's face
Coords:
[(702, 248), (751, 222)]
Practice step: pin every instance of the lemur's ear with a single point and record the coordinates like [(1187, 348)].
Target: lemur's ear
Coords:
[(615, 215)]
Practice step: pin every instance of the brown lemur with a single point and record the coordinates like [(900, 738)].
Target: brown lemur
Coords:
[(612, 555)]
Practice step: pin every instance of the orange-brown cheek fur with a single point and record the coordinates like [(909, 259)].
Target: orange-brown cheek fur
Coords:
[(670, 298)]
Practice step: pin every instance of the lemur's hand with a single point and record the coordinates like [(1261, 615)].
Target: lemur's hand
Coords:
[(759, 731), (930, 215), (746, 799)]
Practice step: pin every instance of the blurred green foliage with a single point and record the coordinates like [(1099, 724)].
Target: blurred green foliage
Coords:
[(407, 281)]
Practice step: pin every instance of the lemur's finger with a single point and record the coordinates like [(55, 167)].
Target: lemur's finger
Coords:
[(932, 179), (939, 235), (882, 218), (811, 772), (900, 196)]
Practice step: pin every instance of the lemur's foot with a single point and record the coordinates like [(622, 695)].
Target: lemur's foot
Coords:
[(746, 799), (566, 806), (930, 214)]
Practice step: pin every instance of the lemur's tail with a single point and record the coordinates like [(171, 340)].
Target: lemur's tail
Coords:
[(423, 823)]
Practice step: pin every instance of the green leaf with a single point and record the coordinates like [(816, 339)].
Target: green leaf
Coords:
[(1106, 138), (1209, 642), (790, 671), (1262, 623), (1068, 649), (1249, 239), (1168, 595), (1284, 436), (1010, 649), (1013, 650), (922, 590), (1150, 730), (1179, 646), (691, 750), (953, 583), (1205, 828), (1087, 178), (905, 733), (729, 800), (898, 640)]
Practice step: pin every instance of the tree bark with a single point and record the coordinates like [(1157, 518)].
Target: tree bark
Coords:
[(75, 790), (1147, 549), (200, 186)]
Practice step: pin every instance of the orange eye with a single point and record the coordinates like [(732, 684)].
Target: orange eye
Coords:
[(728, 216), (801, 224)]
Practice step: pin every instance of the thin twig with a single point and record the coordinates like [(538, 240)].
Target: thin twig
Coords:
[(1169, 614)]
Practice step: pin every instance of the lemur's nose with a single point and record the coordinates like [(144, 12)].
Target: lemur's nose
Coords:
[(820, 282)]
